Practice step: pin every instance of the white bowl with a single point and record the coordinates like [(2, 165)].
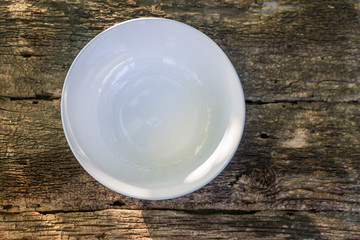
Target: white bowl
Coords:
[(152, 108)]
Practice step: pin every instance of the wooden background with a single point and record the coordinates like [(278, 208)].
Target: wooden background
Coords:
[(295, 174)]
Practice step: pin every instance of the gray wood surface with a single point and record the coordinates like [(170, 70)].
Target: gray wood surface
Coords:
[(159, 224), (296, 173), (292, 156)]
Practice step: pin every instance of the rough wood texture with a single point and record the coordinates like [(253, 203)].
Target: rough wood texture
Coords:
[(155, 224), (296, 173), (302, 156), (296, 50)]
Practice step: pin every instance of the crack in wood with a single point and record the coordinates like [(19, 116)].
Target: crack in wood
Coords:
[(300, 100), (49, 96)]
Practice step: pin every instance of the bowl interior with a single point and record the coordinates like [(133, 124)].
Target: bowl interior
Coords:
[(152, 108)]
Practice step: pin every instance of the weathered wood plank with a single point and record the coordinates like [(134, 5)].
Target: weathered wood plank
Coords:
[(284, 51), (143, 224), (293, 156)]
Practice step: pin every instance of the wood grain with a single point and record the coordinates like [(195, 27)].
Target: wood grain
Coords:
[(296, 174), (145, 224), (304, 50), (298, 156)]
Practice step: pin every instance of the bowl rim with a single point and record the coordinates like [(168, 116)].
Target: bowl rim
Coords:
[(99, 179)]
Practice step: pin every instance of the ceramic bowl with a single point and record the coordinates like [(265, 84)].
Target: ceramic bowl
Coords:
[(152, 108)]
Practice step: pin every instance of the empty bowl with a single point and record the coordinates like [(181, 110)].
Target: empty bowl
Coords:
[(152, 108)]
